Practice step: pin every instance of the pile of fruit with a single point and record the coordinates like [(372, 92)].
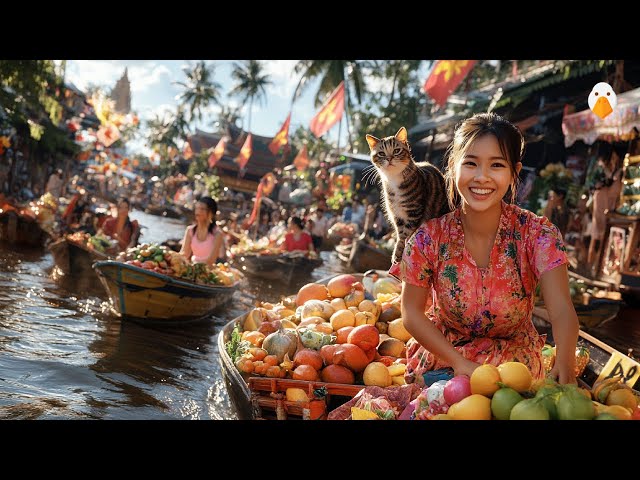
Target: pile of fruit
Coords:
[(507, 392), (331, 333), (161, 259), (100, 243), (246, 246), (343, 230)]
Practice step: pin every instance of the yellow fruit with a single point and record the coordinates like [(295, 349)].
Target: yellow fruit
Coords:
[(338, 304), (376, 373), (296, 395), (362, 414), (342, 318), (473, 407), (484, 380), (396, 369), (515, 375), (618, 411), (398, 380), (624, 397), (397, 330)]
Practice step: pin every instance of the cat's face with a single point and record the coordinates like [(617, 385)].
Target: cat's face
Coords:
[(391, 154)]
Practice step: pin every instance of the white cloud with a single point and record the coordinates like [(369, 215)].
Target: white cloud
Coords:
[(282, 76), (144, 76), (98, 72)]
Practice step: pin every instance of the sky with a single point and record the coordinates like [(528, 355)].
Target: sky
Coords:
[(153, 91)]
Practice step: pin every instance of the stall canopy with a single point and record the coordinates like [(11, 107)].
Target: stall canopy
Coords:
[(619, 125)]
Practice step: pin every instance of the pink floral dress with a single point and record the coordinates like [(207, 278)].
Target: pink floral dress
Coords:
[(486, 313)]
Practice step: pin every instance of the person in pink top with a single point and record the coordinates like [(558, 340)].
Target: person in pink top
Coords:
[(469, 277), (203, 241)]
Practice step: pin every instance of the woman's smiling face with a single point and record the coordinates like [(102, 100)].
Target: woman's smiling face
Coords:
[(484, 174)]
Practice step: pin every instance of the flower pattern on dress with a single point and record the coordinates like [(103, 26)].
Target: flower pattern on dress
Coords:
[(486, 313)]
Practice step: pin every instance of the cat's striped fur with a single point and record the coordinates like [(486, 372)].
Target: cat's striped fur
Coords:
[(413, 192)]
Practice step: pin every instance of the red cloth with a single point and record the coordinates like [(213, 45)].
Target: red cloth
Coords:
[(303, 243), (109, 228), (330, 113)]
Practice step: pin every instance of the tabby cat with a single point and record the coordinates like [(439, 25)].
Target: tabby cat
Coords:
[(413, 192)]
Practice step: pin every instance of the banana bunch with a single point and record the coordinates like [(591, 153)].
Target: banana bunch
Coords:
[(612, 391)]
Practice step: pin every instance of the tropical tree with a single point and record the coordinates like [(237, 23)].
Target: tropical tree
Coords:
[(396, 103), (199, 90), (166, 131), (227, 116), (331, 72), (250, 83)]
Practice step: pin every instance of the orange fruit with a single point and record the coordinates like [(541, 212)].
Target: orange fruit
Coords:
[(484, 380), (623, 397), (515, 375), (376, 373)]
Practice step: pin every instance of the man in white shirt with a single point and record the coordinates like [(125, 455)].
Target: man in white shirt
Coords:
[(319, 228)]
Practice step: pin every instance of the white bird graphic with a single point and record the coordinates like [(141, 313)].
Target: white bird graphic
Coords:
[(602, 99)]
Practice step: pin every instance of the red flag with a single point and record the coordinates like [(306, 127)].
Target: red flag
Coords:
[(282, 137), (330, 112), (256, 205), (245, 152), (217, 153), (301, 162), (445, 77), (187, 153)]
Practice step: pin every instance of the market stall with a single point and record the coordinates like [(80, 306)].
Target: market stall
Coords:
[(619, 262)]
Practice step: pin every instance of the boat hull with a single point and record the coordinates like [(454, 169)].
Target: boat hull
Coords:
[(277, 267), (364, 258), (73, 259), (142, 295)]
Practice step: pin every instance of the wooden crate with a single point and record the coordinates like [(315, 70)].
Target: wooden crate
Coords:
[(268, 396)]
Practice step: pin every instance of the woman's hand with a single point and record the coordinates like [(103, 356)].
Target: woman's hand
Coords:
[(563, 374), (464, 367)]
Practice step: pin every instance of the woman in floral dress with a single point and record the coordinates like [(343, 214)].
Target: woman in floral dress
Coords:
[(469, 277)]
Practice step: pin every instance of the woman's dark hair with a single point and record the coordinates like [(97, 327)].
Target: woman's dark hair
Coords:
[(509, 138), (128, 202), (298, 222), (212, 206)]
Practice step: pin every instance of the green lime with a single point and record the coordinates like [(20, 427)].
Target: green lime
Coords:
[(503, 401)]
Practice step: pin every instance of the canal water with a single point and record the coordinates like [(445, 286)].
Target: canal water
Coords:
[(63, 355)]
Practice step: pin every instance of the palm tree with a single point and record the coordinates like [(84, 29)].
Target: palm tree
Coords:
[(199, 90), (227, 116), (332, 73), (251, 83), (166, 130)]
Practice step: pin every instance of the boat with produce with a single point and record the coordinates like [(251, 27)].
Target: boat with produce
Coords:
[(31, 225), (75, 254), (151, 283), (284, 267), (344, 358), (362, 255)]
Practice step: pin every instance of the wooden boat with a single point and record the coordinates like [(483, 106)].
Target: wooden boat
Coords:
[(21, 229), (143, 295), (164, 211), (248, 405), (284, 268), (361, 256), (74, 258)]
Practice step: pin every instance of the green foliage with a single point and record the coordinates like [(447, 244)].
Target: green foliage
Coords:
[(338, 200), (199, 90), (212, 184), (199, 164)]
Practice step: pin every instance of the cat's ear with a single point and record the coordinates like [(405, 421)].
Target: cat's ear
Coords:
[(372, 141), (402, 135)]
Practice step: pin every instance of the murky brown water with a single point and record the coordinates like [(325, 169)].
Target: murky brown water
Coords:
[(64, 356)]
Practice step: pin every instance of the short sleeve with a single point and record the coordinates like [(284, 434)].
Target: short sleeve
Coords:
[(545, 247), (417, 264)]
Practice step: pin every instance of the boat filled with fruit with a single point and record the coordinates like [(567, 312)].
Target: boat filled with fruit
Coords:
[(153, 283), (264, 260), (336, 350), (75, 253)]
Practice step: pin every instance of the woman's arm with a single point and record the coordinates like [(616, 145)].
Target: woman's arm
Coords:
[(214, 254), (185, 250), (414, 302), (554, 285)]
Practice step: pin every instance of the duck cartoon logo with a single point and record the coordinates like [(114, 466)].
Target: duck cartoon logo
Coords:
[(602, 100)]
